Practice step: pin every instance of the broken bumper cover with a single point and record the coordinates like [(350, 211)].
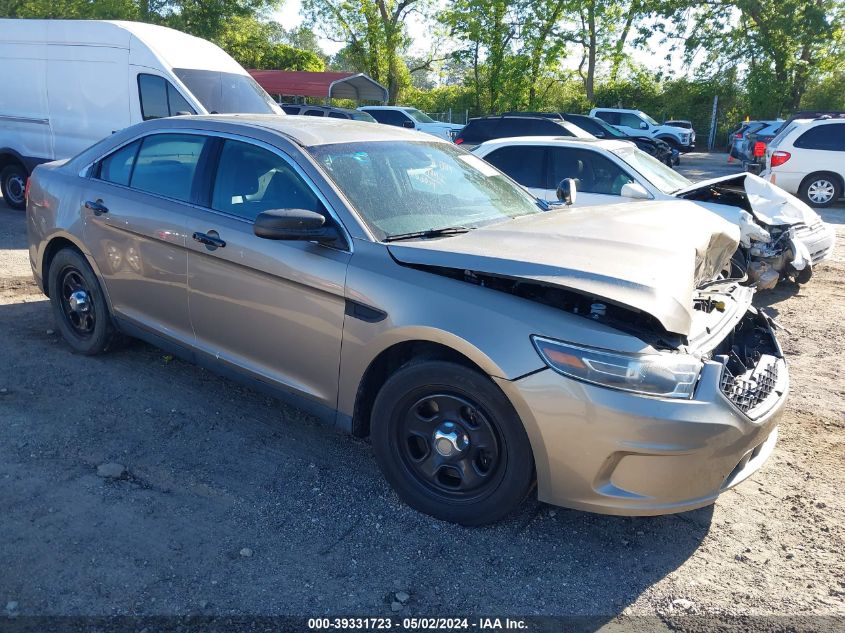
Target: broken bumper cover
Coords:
[(612, 452), (819, 238)]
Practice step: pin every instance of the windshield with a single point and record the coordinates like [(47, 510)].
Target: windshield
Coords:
[(399, 187), (225, 93), (362, 116), (609, 130), (648, 118), (786, 131), (664, 178), (418, 116)]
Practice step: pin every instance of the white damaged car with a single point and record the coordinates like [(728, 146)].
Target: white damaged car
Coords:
[(781, 236)]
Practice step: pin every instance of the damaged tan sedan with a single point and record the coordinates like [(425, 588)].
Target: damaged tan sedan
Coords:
[(407, 291)]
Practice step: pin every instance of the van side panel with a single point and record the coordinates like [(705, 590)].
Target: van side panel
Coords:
[(88, 93), (24, 113)]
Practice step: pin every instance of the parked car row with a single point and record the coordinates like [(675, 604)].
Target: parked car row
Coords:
[(557, 311)]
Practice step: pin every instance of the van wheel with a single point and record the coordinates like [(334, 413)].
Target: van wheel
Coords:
[(450, 443), (13, 185), (820, 189), (79, 306)]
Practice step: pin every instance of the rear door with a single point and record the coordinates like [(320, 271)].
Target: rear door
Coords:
[(134, 223), (526, 164), (271, 309)]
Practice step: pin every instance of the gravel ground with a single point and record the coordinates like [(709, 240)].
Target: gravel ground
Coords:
[(134, 483)]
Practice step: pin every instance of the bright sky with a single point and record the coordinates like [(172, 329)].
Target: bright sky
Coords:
[(289, 17)]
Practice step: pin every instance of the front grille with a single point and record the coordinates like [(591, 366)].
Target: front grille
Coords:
[(749, 389)]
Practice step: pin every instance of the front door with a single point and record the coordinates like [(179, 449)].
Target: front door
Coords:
[(134, 224), (274, 309), (598, 180)]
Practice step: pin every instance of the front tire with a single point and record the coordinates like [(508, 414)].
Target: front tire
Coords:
[(450, 443), (79, 305), (13, 179), (820, 189)]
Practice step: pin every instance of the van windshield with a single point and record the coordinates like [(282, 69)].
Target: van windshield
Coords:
[(225, 93)]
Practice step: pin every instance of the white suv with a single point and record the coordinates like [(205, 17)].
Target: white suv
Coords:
[(807, 158), (635, 122), (413, 119)]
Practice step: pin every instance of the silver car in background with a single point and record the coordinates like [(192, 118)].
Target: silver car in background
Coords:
[(403, 289)]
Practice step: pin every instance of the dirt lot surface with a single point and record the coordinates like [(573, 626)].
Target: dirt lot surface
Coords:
[(232, 503)]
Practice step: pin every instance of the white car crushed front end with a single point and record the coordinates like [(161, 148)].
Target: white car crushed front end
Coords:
[(797, 237)]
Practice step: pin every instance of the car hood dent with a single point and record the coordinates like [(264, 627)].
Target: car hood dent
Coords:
[(649, 256), (770, 204)]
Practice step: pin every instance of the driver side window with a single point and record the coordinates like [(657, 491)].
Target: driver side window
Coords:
[(251, 180), (630, 120), (593, 173)]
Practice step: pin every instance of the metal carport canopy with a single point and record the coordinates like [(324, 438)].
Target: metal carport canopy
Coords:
[(331, 85)]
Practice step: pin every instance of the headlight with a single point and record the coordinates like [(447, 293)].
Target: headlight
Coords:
[(660, 375)]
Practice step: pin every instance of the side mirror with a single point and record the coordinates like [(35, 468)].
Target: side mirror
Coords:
[(566, 191), (643, 125), (294, 224), (634, 190), (409, 124)]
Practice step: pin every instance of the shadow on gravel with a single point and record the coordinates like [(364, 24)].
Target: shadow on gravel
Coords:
[(769, 298), (233, 503)]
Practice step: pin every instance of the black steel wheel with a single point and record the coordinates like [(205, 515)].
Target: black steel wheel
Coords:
[(13, 185), (79, 306), (450, 443)]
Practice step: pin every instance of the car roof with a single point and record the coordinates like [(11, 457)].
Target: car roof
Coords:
[(303, 130), (568, 141), (383, 107)]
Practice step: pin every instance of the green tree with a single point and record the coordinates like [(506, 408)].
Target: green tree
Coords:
[(255, 44), (374, 34), (785, 42)]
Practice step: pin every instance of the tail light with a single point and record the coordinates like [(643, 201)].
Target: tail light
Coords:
[(779, 158), (459, 140), (26, 189), (759, 149), (737, 136)]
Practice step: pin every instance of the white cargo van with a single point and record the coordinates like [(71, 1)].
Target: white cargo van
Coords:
[(70, 83)]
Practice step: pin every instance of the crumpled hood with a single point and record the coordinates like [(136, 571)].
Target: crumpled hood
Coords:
[(769, 203), (649, 256)]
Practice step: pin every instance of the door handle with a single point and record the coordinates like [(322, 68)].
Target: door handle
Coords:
[(209, 240), (97, 207)]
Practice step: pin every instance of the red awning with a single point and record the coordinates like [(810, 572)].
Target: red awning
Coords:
[(357, 86)]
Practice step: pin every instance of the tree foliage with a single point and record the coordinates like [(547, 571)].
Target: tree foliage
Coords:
[(374, 35)]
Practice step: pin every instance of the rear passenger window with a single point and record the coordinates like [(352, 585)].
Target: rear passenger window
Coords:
[(522, 163), (160, 99), (291, 109), (610, 117), (166, 164), (338, 115), (251, 179), (829, 137), (117, 168)]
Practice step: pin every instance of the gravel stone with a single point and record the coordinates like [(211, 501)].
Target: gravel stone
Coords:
[(111, 470)]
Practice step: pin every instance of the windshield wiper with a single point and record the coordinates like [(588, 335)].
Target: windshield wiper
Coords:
[(430, 233)]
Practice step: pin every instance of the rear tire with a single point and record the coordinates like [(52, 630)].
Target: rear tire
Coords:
[(13, 179), (450, 443), (821, 189), (79, 305)]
